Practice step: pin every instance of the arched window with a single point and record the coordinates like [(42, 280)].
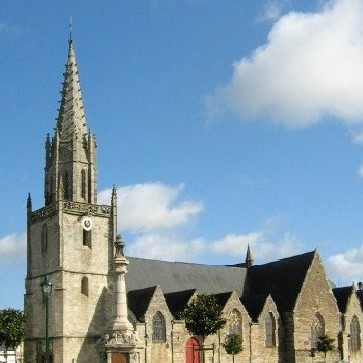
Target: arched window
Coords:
[(66, 185), (87, 238), (235, 322), (355, 342), (159, 328), (83, 184), (317, 329), (44, 238), (84, 285), (270, 330)]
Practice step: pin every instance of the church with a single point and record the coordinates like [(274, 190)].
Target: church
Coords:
[(107, 307)]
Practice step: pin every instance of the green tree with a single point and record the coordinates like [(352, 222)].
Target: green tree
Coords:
[(12, 328), (233, 345), (203, 317), (325, 344)]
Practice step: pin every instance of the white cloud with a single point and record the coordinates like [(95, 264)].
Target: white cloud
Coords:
[(265, 247), (152, 206), (346, 267), (174, 248), (166, 247), (272, 10), (12, 247), (310, 67), (156, 219), (169, 247), (235, 244)]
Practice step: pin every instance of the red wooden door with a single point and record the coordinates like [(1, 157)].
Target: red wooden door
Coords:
[(192, 352)]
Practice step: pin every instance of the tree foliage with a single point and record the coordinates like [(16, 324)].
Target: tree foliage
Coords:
[(233, 344), (12, 327), (203, 316), (325, 344)]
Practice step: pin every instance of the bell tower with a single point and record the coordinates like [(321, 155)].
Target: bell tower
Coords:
[(71, 240)]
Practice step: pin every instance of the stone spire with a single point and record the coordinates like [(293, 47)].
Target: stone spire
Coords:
[(71, 117), (249, 257), (71, 154)]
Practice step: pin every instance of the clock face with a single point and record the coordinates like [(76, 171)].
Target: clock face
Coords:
[(86, 223)]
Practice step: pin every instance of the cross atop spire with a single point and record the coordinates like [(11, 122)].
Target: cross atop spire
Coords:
[(70, 29)]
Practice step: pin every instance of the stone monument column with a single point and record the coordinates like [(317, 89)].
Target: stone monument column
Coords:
[(121, 344)]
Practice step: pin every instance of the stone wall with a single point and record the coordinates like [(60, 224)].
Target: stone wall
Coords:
[(77, 319), (158, 351), (259, 351), (316, 297), (353, 310)]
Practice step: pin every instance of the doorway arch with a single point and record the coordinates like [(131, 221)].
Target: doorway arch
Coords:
[(192, 352)]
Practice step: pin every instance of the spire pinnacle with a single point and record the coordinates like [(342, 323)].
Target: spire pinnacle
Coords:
[(249, 257), (29, 203), (70, 29)]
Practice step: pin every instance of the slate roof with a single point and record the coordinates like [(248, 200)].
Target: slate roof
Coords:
[(342, 295), (223, 298), (281, 279), (179, 276), (177, 301), (138, 301)]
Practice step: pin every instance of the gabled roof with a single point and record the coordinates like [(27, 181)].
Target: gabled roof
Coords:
[(178, 276), (177, 301), (281, 279), (139, 300), (223, 298), (342, 295)]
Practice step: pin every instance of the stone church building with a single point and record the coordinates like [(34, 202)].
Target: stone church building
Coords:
[(107, 307)]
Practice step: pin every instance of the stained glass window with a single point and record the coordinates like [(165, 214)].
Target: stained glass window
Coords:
[(159, 329)]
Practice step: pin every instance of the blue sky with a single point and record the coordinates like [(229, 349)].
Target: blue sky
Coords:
[(222, 123)]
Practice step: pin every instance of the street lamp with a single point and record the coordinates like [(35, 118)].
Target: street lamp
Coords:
[(47, 290)]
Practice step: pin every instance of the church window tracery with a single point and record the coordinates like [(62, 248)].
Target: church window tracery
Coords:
[(159, 328), (317, 329), (270, 330), (355, 342), (235, 322)]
